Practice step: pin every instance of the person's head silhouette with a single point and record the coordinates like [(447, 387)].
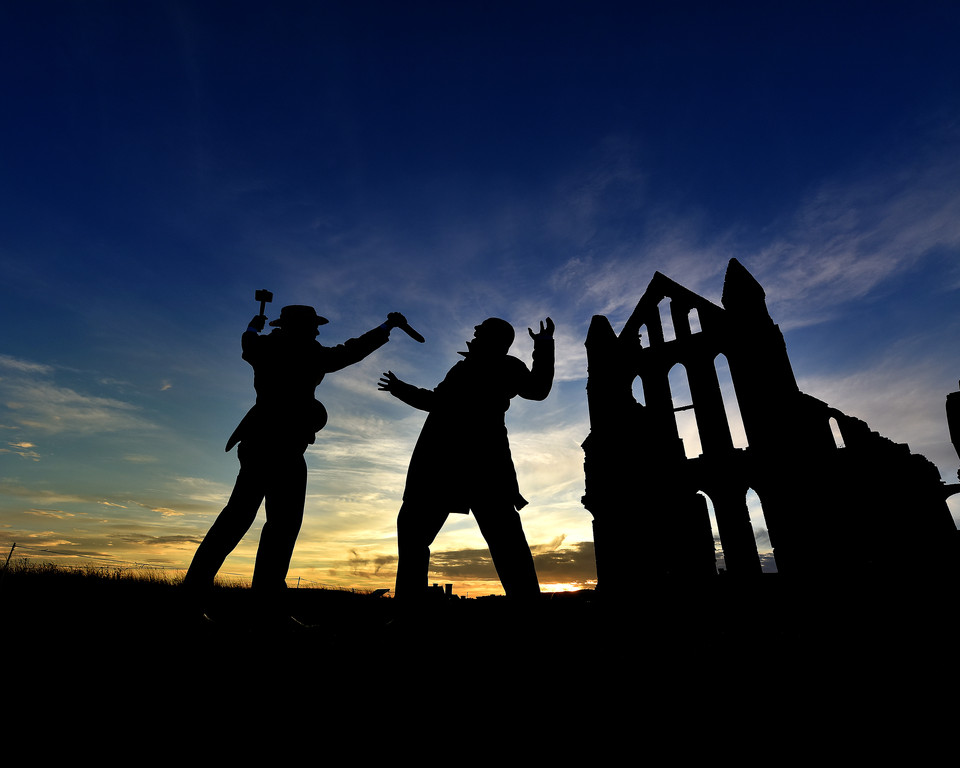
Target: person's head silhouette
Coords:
[(297, 319), (492, 337)]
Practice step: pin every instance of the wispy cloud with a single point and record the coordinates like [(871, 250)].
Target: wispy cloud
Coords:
[(24, 449), (43, 496), (57, 514), (32, 399), (54, 409), (23, 366), (851, 235), (845, 238)]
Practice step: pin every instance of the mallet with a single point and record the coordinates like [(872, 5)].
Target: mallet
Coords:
[(263, 296)]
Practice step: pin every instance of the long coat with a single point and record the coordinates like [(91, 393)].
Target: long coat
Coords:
[(462, 457), (286, 371)]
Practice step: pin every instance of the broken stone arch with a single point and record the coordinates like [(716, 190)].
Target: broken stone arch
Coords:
[(821, 476)]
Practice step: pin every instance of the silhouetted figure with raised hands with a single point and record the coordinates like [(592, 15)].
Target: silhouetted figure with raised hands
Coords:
[(288, 364), (462, 459)]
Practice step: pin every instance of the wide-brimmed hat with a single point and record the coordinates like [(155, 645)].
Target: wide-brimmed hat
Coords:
[(299, 315)]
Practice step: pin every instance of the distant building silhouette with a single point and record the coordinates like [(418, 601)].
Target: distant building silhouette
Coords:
[(835, 496)]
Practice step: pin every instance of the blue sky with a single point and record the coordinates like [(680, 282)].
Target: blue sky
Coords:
[(453, 161)]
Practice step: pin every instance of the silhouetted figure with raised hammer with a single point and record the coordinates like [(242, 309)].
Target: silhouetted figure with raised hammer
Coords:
[(288, 364), (462, 459)]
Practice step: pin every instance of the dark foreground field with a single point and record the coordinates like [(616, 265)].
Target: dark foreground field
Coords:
[(814, 657), (769, 623)]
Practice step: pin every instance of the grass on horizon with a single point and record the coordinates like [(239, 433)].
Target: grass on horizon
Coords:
[(23, 571)]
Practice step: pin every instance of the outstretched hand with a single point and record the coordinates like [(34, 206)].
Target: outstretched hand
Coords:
[(388, 382), (258, 322), (546, 332)]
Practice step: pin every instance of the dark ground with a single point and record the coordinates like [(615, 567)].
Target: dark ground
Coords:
[(767, 622), (878, 659)]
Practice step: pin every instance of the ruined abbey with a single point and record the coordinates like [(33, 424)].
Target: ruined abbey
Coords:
[(832, 491)]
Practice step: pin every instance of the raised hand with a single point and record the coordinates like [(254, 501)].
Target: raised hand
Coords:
[(389, 382), (546, 332)]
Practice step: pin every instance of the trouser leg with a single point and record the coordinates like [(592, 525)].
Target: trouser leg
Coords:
[(227, 530), (504, 535), (285, 499), (417, 527)]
